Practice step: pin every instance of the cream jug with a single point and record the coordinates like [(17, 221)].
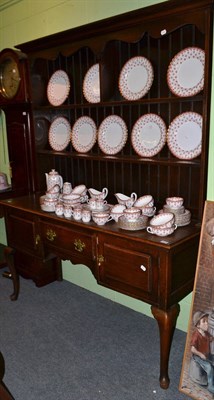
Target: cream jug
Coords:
[(53, 178)]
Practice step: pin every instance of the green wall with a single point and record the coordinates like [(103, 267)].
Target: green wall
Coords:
[(25, 20)]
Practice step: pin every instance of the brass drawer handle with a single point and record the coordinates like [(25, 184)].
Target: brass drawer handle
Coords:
[(50, 235), (78, 245)]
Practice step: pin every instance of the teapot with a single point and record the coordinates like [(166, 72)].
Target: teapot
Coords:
[(52, 179)]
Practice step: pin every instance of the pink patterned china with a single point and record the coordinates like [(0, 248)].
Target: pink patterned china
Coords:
[(52, 179), (101, 218), (127, 201), (67, 188), (53, 196), (95, 194), (185, 75), (58, 88), (183, 219), (163, 220), (146, 200), (59, 134), (84, 134), (136, 78), (49, 205), (91, 84), (157, 230), (77, 213), (174, 202), (80, 189), (100, 204), (148, 135), (71, 199), (86, 215), (176, 211), (59, 209), (117, 211), (67, 211), (112, 135), (148, 210), (137, 225), (131, 214), (185, 135)]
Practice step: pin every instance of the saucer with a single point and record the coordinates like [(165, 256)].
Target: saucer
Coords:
[(106, 207), (140, 223)]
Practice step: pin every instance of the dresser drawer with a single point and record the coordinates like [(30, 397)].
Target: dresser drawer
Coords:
[(129, 271), (23, 231), (68, 242)]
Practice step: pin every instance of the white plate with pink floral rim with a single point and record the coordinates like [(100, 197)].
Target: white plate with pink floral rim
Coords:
[(148, 135), (184, 135), (91, 84), (59, 134), (112, 134), (84, 134), (136, 78), (58, 88), (185, 75)]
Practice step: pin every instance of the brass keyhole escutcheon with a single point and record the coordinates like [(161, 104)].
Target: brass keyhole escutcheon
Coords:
[(37, 239), (100, 259), (50, 235), (78, 245)]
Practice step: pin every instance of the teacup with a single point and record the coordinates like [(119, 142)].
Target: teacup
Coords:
[(131, 214), (86, 215), (157, 230), (71, 199), (100, 218), (174, 202), (59, 209), (97, 194), (117, 211), (66, 188), (80, 189), (100, 204), (54, 189), (52, 196), (67, 211), (163, 220), (144, 201), (127, 201), (92, 203), (148, 210), (77, 213)]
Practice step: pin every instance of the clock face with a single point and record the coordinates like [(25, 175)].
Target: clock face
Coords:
[(9, 77)]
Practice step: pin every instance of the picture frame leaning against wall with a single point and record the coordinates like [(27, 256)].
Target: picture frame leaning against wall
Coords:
[(197, 374)]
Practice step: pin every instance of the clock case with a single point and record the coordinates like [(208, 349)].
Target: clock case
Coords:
[(22, 94), (19, 123)]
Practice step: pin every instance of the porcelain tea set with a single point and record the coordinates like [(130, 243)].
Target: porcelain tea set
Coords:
[(130, 212)]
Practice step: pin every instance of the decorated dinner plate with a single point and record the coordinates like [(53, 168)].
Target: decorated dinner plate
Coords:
[(91, 84), (136, 78), (112, 134), (184, 135), (41, 127), (185, 75), (148, 135), (58, 88), (84, 134), (59, 134)]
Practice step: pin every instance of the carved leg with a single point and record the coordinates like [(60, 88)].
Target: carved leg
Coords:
[(8, 253), (166, 322)]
